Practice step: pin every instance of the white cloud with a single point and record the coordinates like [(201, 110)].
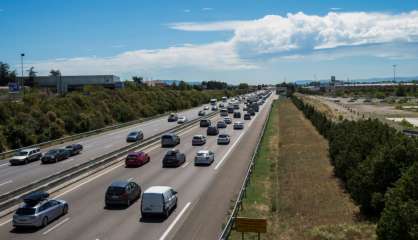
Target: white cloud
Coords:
[(186, 10), (207, 9), (335, 9), (205, 27)]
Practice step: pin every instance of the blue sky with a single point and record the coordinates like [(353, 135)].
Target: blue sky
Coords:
[(235, 41)]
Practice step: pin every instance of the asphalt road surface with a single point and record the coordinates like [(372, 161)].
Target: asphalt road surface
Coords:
[(13, 177), (87, 218)]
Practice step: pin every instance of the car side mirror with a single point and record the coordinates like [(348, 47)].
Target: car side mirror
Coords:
[(174, 192)]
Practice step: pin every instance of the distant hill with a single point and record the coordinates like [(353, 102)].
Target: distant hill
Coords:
[(365, 80)]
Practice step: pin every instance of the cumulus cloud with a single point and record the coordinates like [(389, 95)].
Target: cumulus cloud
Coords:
[(291, 37), (214, 56)]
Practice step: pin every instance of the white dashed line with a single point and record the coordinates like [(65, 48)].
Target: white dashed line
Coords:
[(56, 226), (165, 234)]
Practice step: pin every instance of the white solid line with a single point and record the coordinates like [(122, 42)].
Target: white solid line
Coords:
[(6, 182), (175, 221), (4, 164), (185, 165), (54, 227)]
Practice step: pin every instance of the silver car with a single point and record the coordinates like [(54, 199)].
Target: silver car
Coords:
[(204, 157), (37, 210), (223, 139), (238, 125), (198, 140), (25, 156)]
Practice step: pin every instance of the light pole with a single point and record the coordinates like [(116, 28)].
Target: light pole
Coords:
[(21, 62), (394, 72)]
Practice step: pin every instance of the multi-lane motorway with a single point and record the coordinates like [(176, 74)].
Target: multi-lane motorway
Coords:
[(12, 177), (204, 192)]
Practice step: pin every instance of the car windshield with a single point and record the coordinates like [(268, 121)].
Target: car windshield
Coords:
[(197, 137), (223, 136), (22, 153), (115, 190), (167, 137), (26, 211), (133, 134), (200, 154)]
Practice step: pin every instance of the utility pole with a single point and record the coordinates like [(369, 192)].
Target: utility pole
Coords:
[(394, 72), (21, 62)]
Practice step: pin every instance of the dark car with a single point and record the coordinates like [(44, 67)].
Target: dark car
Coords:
[(135, 136), (74, 149), (122, 193), (237, 114), (136, 159), (201, 113), (173, 117), (247, 116), (221, 124), (251, 111), (205, 123), (170, 140), (212, 131), (174, 158), (230, 109), (55, 155)]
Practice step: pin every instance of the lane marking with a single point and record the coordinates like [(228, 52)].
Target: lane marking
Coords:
[(185, 165), (56, 226), (108, 146), (6, 182), (165, 234), (4, 164)]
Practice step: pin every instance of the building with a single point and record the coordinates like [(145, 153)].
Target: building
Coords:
[(67, 83)]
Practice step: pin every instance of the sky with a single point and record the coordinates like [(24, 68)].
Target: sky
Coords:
[(253, 41)]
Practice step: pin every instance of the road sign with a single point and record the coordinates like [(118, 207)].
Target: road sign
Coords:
[(258, 225)]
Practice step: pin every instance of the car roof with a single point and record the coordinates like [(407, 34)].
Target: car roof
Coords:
[(203, 151), (136, 153), (29, 149), (119, 183), (198, 135), (157, 189)]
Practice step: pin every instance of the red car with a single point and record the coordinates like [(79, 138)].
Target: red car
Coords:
[(136, 159)]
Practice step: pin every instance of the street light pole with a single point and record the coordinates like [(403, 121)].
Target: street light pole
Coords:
[(21, 62), (394, 72)]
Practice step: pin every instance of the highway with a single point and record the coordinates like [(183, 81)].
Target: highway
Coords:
[(87, 218), (12, 177)]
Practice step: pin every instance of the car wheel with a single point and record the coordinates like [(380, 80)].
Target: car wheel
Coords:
[(44, 222), (128, 203), (166, 213), (26, 161), (65, 210)]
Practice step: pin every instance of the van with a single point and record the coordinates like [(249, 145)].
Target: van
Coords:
[(169, 140), (158, 200)]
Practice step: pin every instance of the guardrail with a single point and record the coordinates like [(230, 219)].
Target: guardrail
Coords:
[(238, 202), (13, 197)]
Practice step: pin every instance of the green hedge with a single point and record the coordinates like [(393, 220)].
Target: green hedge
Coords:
[(371, 158), (38, 117)]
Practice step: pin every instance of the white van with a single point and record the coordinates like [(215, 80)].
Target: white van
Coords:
[(158, 200)]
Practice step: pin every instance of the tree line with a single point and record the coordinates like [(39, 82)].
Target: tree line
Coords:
[(378, 167), (40, 117)]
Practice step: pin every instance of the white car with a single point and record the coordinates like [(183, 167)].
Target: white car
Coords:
[(206, 108), (223, 139), (182, 119), (238, 125), (158, 200), (204, 157)]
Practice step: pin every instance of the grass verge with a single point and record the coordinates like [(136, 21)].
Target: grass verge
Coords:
[(293, 185)]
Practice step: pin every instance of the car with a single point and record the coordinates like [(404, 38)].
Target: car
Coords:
[(223, 112), (55, 155), (182, 119), (74, 149), (230, 109), (25, 156), (198, 140), (212, 131), (245, 109), (227, 120), (214, 108), (247, 116), (173, 158), (172, 117), (236, 106), (201, 113), (221, 124), (158, 200), (221, 105), (223, 139), (122, 192), (204, 157), (237, 114), (38, 210), (251, 111), (238, 125), (136, 159), (205, 123), (206, 108), (135, 136), (170, 140)]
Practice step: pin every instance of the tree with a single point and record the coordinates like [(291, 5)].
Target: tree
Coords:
[(183, 85), (31, 79), (6, 75), (243, 86), (54, 73), (138, 80)]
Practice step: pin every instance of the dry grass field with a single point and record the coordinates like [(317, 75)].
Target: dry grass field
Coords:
[(294, 188)]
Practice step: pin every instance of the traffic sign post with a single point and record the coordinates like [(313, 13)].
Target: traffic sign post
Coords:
[(257, 225)]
